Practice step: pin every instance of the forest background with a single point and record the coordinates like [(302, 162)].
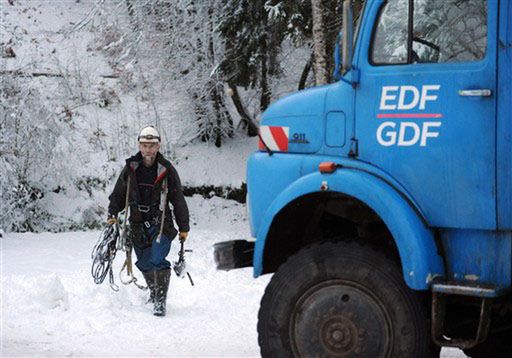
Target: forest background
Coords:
[(79, 78)]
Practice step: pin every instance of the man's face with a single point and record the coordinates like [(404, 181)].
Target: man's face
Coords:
[(149, 150)]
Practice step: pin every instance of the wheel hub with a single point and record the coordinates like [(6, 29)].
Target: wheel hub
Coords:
[(339, 334), (340, 319)]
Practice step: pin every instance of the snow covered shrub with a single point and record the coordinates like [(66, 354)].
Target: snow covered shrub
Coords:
[(93, 217), (27, 137), (111, 41), (165, 54), (26, 212), (108, 97), (7, 183)]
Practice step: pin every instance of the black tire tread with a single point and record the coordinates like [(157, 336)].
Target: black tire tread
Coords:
[(271, 344)]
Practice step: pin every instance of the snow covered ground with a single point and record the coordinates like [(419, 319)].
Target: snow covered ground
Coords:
[(51, 306)]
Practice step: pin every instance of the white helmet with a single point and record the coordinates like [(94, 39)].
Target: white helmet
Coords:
[(149, 135)]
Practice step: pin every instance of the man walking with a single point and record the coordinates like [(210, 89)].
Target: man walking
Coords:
[(145, 186)]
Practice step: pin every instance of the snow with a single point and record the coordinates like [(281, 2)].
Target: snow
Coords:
[(43, 40), (223, 166), (51, 306)]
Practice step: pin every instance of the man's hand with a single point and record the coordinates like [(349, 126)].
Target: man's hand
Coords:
[(111, 220), (183, 235)]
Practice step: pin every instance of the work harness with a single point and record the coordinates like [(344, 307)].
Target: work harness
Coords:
[(112, 239)]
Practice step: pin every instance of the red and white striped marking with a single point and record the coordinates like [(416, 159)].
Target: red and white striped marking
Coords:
[(276, 138)]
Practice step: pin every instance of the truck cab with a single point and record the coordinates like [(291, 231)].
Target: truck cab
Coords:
[(382, 203)]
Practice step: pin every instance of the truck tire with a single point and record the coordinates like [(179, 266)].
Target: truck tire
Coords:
[(342, 300)]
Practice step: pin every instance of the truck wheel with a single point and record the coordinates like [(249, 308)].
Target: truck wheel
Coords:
[(342, 300)]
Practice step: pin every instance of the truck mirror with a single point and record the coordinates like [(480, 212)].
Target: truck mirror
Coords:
[(348, 36)]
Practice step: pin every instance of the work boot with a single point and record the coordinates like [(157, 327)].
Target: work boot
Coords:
[(162, 286), (150, 281)]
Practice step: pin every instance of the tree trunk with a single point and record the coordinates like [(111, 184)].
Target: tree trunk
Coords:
[(201, 115), (218, 116), (219, 106), (320, 42), (265, 91), (305, 71), (252, 129)]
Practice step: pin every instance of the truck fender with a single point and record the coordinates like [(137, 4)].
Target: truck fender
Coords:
[(414, 240)]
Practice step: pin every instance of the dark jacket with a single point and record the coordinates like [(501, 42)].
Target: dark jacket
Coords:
[(174, 195)]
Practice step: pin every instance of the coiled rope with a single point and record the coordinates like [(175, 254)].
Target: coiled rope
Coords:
[(103, 255), (104, 252)]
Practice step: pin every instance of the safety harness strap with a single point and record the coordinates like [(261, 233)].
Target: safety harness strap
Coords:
[(129, 271), (163, 205), (128, 248), (126, 208)]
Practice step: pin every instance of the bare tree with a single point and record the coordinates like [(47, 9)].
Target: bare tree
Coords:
[(320, 42)]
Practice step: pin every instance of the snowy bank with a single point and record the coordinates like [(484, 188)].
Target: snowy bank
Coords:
[(51, 307)]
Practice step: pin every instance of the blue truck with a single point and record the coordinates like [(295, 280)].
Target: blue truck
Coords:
[(382, 202)]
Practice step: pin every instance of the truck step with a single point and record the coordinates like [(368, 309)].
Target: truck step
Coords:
[(473, 290), (438, 318)]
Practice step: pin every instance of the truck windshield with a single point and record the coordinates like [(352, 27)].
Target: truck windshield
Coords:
[(441, 31)]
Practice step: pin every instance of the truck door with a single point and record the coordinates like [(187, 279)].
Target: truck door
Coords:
[(504, 115), (426, 104)]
